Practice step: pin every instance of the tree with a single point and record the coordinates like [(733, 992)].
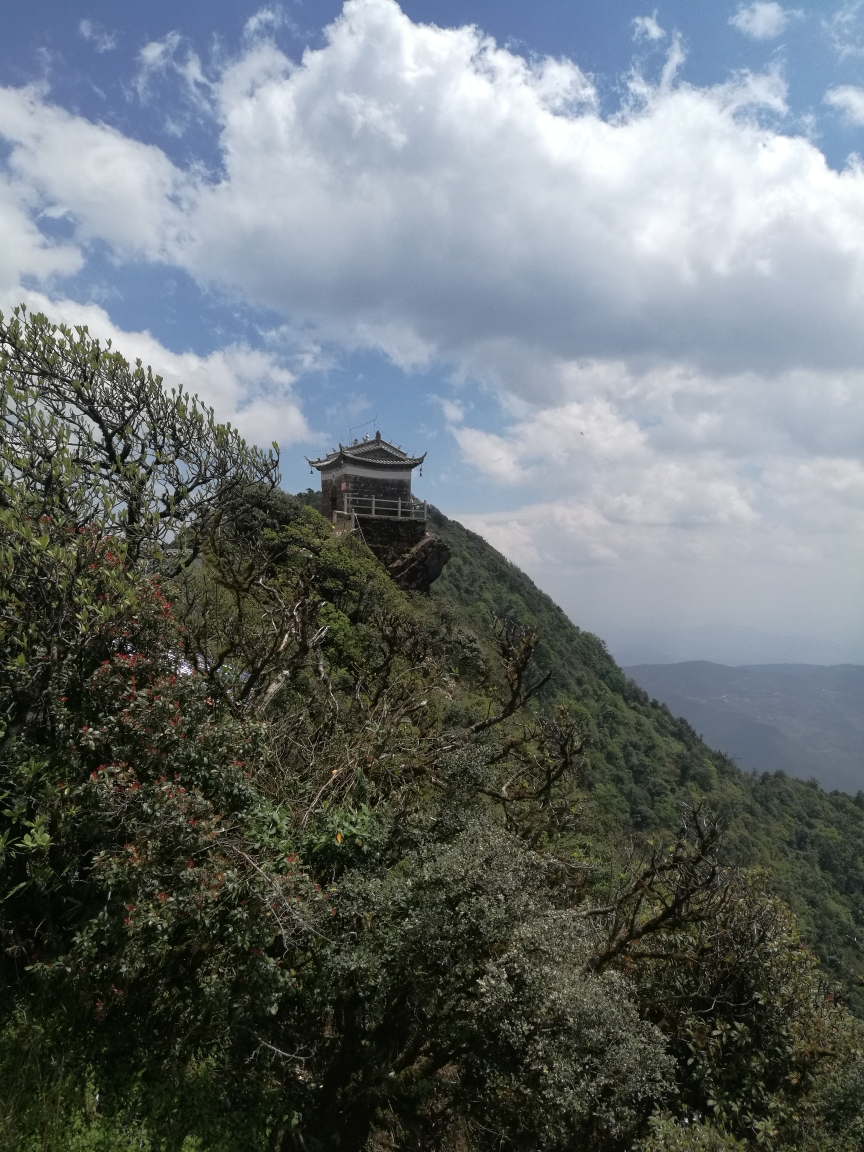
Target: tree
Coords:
[(154, 461)]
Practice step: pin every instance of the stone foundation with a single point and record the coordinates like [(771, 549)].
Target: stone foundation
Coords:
[(390, 538), (413, 557)]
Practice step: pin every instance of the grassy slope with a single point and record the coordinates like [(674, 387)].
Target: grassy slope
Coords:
[(645, 763)]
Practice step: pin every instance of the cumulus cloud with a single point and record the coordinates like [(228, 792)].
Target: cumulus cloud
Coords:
[(763, 20), (438, 197), (770, 577), (669, 298), (671, 491), (110, 187), (247, 386), (423, 191), (675, 497), (672, 456), (848, 98), (25, 251)]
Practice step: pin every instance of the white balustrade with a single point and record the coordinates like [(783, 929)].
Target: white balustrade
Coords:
[(381, 508)]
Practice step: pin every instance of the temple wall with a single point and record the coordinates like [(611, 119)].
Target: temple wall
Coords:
[(380, 483)]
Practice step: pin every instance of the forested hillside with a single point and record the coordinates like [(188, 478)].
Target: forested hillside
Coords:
[(292, 859), (646, 764)]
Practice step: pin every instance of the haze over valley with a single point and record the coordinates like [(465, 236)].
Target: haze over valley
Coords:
[(802, 719)]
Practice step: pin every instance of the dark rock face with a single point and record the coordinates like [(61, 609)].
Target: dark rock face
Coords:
[(413, 557), (390, 538), (418, 568)]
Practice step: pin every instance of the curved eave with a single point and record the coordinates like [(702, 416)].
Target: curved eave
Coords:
[(344, 457)]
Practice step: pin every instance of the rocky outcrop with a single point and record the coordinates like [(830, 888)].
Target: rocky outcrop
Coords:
[(413, 557), (418, 568), (390, 538)]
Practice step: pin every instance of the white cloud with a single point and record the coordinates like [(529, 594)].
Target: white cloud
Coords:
[(491, 454), (249, 387), (454, 412), (264, 22), (101, 39), (763, 20), (417, 180), (172, 55), (613, 578), (112, 188), (731, 429), (671, 471), (845, 29), (849, 99), (25, 251), (647, 28)]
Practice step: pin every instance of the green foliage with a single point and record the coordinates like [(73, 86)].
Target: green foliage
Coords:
[(466, 992), (831, 1116), (744, 1010), (671, 1136), (71, 408)]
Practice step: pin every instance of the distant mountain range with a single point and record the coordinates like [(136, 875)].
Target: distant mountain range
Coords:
[(727, 644), (804, 719)]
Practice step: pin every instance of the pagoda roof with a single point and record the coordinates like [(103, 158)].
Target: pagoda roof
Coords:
[(374, 453)]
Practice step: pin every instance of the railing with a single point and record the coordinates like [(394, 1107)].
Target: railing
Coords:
[(379, 507)]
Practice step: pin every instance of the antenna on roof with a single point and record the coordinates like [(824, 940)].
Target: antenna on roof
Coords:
[(357, 427)]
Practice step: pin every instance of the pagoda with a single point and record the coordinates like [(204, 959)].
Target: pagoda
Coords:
[(366, 489), (369, 480)]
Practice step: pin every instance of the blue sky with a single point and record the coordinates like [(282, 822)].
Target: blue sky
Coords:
[(604, 261)]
